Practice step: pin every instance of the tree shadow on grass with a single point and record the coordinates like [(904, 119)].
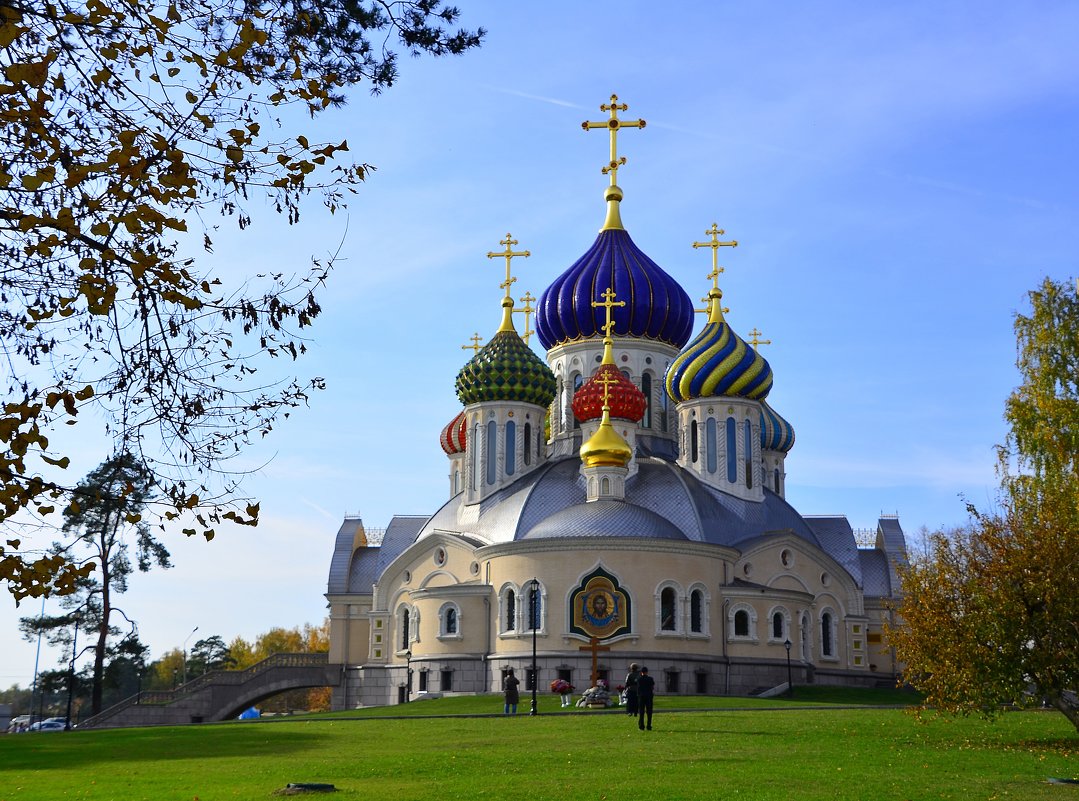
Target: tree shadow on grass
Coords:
[(67, 750)]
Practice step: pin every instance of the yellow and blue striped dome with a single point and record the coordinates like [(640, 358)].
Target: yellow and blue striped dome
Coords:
[(718, 363), (776, 433)]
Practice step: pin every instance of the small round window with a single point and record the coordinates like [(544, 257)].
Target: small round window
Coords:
[(440, 556)]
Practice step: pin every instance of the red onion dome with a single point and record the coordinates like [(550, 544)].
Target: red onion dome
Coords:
[(626, 401), (452, 438)]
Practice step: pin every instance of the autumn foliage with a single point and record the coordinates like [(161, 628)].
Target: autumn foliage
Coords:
[(129, 131), (991, 615)]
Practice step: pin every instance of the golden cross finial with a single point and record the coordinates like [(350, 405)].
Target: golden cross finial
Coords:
[(609, 303), (705, 310), (475, 346), (606, 380), (528, 310), (509, 253), (612, 125), (715, 232), (755, 340)]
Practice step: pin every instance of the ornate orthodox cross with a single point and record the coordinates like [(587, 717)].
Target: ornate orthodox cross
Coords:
[(755, 339), (528, 311), (606, 380), (715, 232), (475, 346), (595, 648), (508, 253), (609, 303), (613, 125)]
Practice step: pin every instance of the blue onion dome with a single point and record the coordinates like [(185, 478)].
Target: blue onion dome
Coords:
[(506, 369), (718, 363), (776, 433), (656, 306)]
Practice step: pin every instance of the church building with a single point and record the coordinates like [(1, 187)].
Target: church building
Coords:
[(621, 500)]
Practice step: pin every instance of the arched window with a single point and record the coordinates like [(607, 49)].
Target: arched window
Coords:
[(509, 611), (646, 388), (528, 444), (777, 480), (449, 621), (693, 442), (605, 486), (710, 444), (827, 635), (456, 481), (577, 381), (696, 612), (511, 447), (741, 623), (668, 609), (535, 607), (664, 424), (732, 451), (492, 452), (474, 452), (779, 629), (748, 457), (405, 627)]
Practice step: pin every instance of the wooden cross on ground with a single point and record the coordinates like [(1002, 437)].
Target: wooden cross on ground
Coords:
[(612, 125), (595, 648)]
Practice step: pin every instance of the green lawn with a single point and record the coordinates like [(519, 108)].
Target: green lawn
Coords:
[(772, 752)]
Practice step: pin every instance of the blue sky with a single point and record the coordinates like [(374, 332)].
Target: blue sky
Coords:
[(898, 177)]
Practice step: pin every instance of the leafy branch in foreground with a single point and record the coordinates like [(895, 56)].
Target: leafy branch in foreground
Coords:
[(130, 128)]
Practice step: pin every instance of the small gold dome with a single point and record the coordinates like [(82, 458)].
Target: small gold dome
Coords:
[(606, 448)]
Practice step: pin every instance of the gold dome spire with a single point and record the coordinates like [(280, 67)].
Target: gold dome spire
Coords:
[(613, 195), (606, 448), (507, 301)]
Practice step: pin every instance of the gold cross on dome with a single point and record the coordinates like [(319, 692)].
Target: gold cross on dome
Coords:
[(509, 253), (612, 125), (715, 232), (705, 310), (528, 311), (606, 381), (755, 340), (475, 346), (609, 303)]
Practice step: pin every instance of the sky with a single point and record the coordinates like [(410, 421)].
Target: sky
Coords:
[(898, 177)]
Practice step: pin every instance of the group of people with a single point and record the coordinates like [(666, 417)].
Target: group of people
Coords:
[(640, 692)]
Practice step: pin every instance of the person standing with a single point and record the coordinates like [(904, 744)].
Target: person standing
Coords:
[(631, 689), (509, 687), (646, 687)]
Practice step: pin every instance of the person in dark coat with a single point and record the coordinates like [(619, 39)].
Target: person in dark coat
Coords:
[(631, 689), (646, 688), (509, 687)]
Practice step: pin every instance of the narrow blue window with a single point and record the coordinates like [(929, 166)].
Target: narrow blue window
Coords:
[(646, 388), (693, 442), (528, 444), (511, 447), (492, 452), (748, 457), (710, 443), (732, 451)]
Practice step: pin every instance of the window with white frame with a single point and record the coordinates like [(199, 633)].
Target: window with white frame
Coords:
[(779, 627), (828, 634), (406, 627), (698, 611), (534, 606), (742, 622), (667, 609), (449, 621), (507, 613)]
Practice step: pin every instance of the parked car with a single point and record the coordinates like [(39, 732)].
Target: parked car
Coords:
[(50, 724), (19, 723)]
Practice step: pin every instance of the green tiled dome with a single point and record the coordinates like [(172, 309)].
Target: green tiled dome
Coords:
[(506, 369)]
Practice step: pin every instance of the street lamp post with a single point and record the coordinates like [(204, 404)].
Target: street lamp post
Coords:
[(408, 676), (790, 684), (184, 650), (533, 614)]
